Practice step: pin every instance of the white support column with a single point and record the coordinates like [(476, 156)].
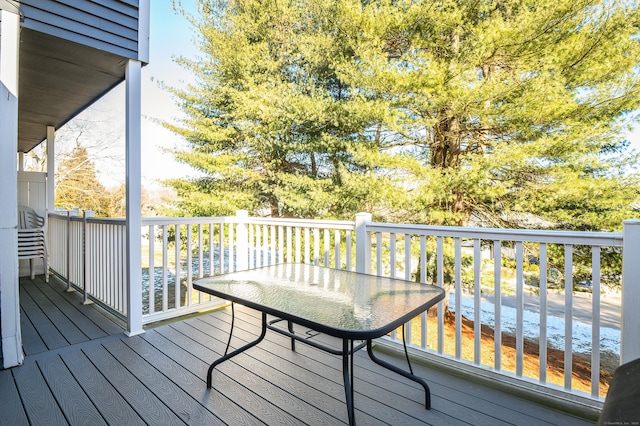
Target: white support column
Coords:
[(51, 167), (9, 296), (363, 243), (629, 334), (242, 241), (133, 197)]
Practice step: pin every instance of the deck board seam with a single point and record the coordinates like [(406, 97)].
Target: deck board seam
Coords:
[(55, 295)]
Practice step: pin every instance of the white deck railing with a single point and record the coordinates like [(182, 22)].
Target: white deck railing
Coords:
[(501, 279), (475, 261), (88, 254)]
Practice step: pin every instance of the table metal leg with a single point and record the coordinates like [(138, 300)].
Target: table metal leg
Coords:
[(427, 392), (293, 341), (239, 350), (347, 373)]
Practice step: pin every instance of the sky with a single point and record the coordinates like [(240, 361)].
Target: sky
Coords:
[(170, 35)]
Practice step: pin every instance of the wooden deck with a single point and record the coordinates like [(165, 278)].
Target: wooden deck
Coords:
[(81, 369)]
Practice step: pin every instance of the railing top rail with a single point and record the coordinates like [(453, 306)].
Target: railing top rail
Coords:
[(146, 221), (90, 219), (605, 239), (304, 223), (60, 215)]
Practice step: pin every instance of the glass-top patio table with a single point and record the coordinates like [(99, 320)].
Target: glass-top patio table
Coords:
[(348, 305)]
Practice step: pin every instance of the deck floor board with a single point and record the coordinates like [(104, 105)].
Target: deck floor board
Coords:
[(10, 406), (158, 377), (67, 328), (46, 329), (32, 343), (177, 364), (111, 404), (39, 403), (75, 404), (73, 308)]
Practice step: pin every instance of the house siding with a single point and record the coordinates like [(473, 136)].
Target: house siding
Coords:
[(108, 25)]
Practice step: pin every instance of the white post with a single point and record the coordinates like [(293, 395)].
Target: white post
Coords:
[(85, 259), (21, 161), (629, 334), (363, 243), (51, 167), (242, 241), (133, 197), (12, 354)]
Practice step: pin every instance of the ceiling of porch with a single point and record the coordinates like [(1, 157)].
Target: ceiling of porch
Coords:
[(58, 80)]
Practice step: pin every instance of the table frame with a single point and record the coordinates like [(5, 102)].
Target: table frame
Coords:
[(347, 352)]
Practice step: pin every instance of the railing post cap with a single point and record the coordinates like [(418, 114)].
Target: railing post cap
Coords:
[(631, 222), (242, 213)]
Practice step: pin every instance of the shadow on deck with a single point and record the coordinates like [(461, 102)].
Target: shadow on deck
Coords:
[(81, 369)]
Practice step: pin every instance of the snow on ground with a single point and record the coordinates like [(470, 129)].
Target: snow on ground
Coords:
[(581, 339)]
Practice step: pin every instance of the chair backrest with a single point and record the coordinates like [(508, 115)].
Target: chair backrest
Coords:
[(28, 218)]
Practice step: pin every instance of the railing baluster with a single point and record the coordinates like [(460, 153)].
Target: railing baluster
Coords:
[(595, 321), (298, 244), (221, 248), (458, 292), (568, 315), (337, 263), (151, 282), (316, 246), (542, 341), (280, 258), (252, 254), (211, 251), (289, 257), (272, 246), (189, 266), (349, 250), (392, 265), (265, 245), (379, 270), (200, 253), (392, 255), (407, 274), (106, 293), (259, 246), (407, 257), (519, 310), (165, 268), (327, 243), (176, 287), (307, 246), (477, 309), (497, 304), (232, 253), (423, 280), (440, 248)]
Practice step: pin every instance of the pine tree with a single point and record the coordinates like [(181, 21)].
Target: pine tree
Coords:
[(270, 125), (513, 111), (503, 113)]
